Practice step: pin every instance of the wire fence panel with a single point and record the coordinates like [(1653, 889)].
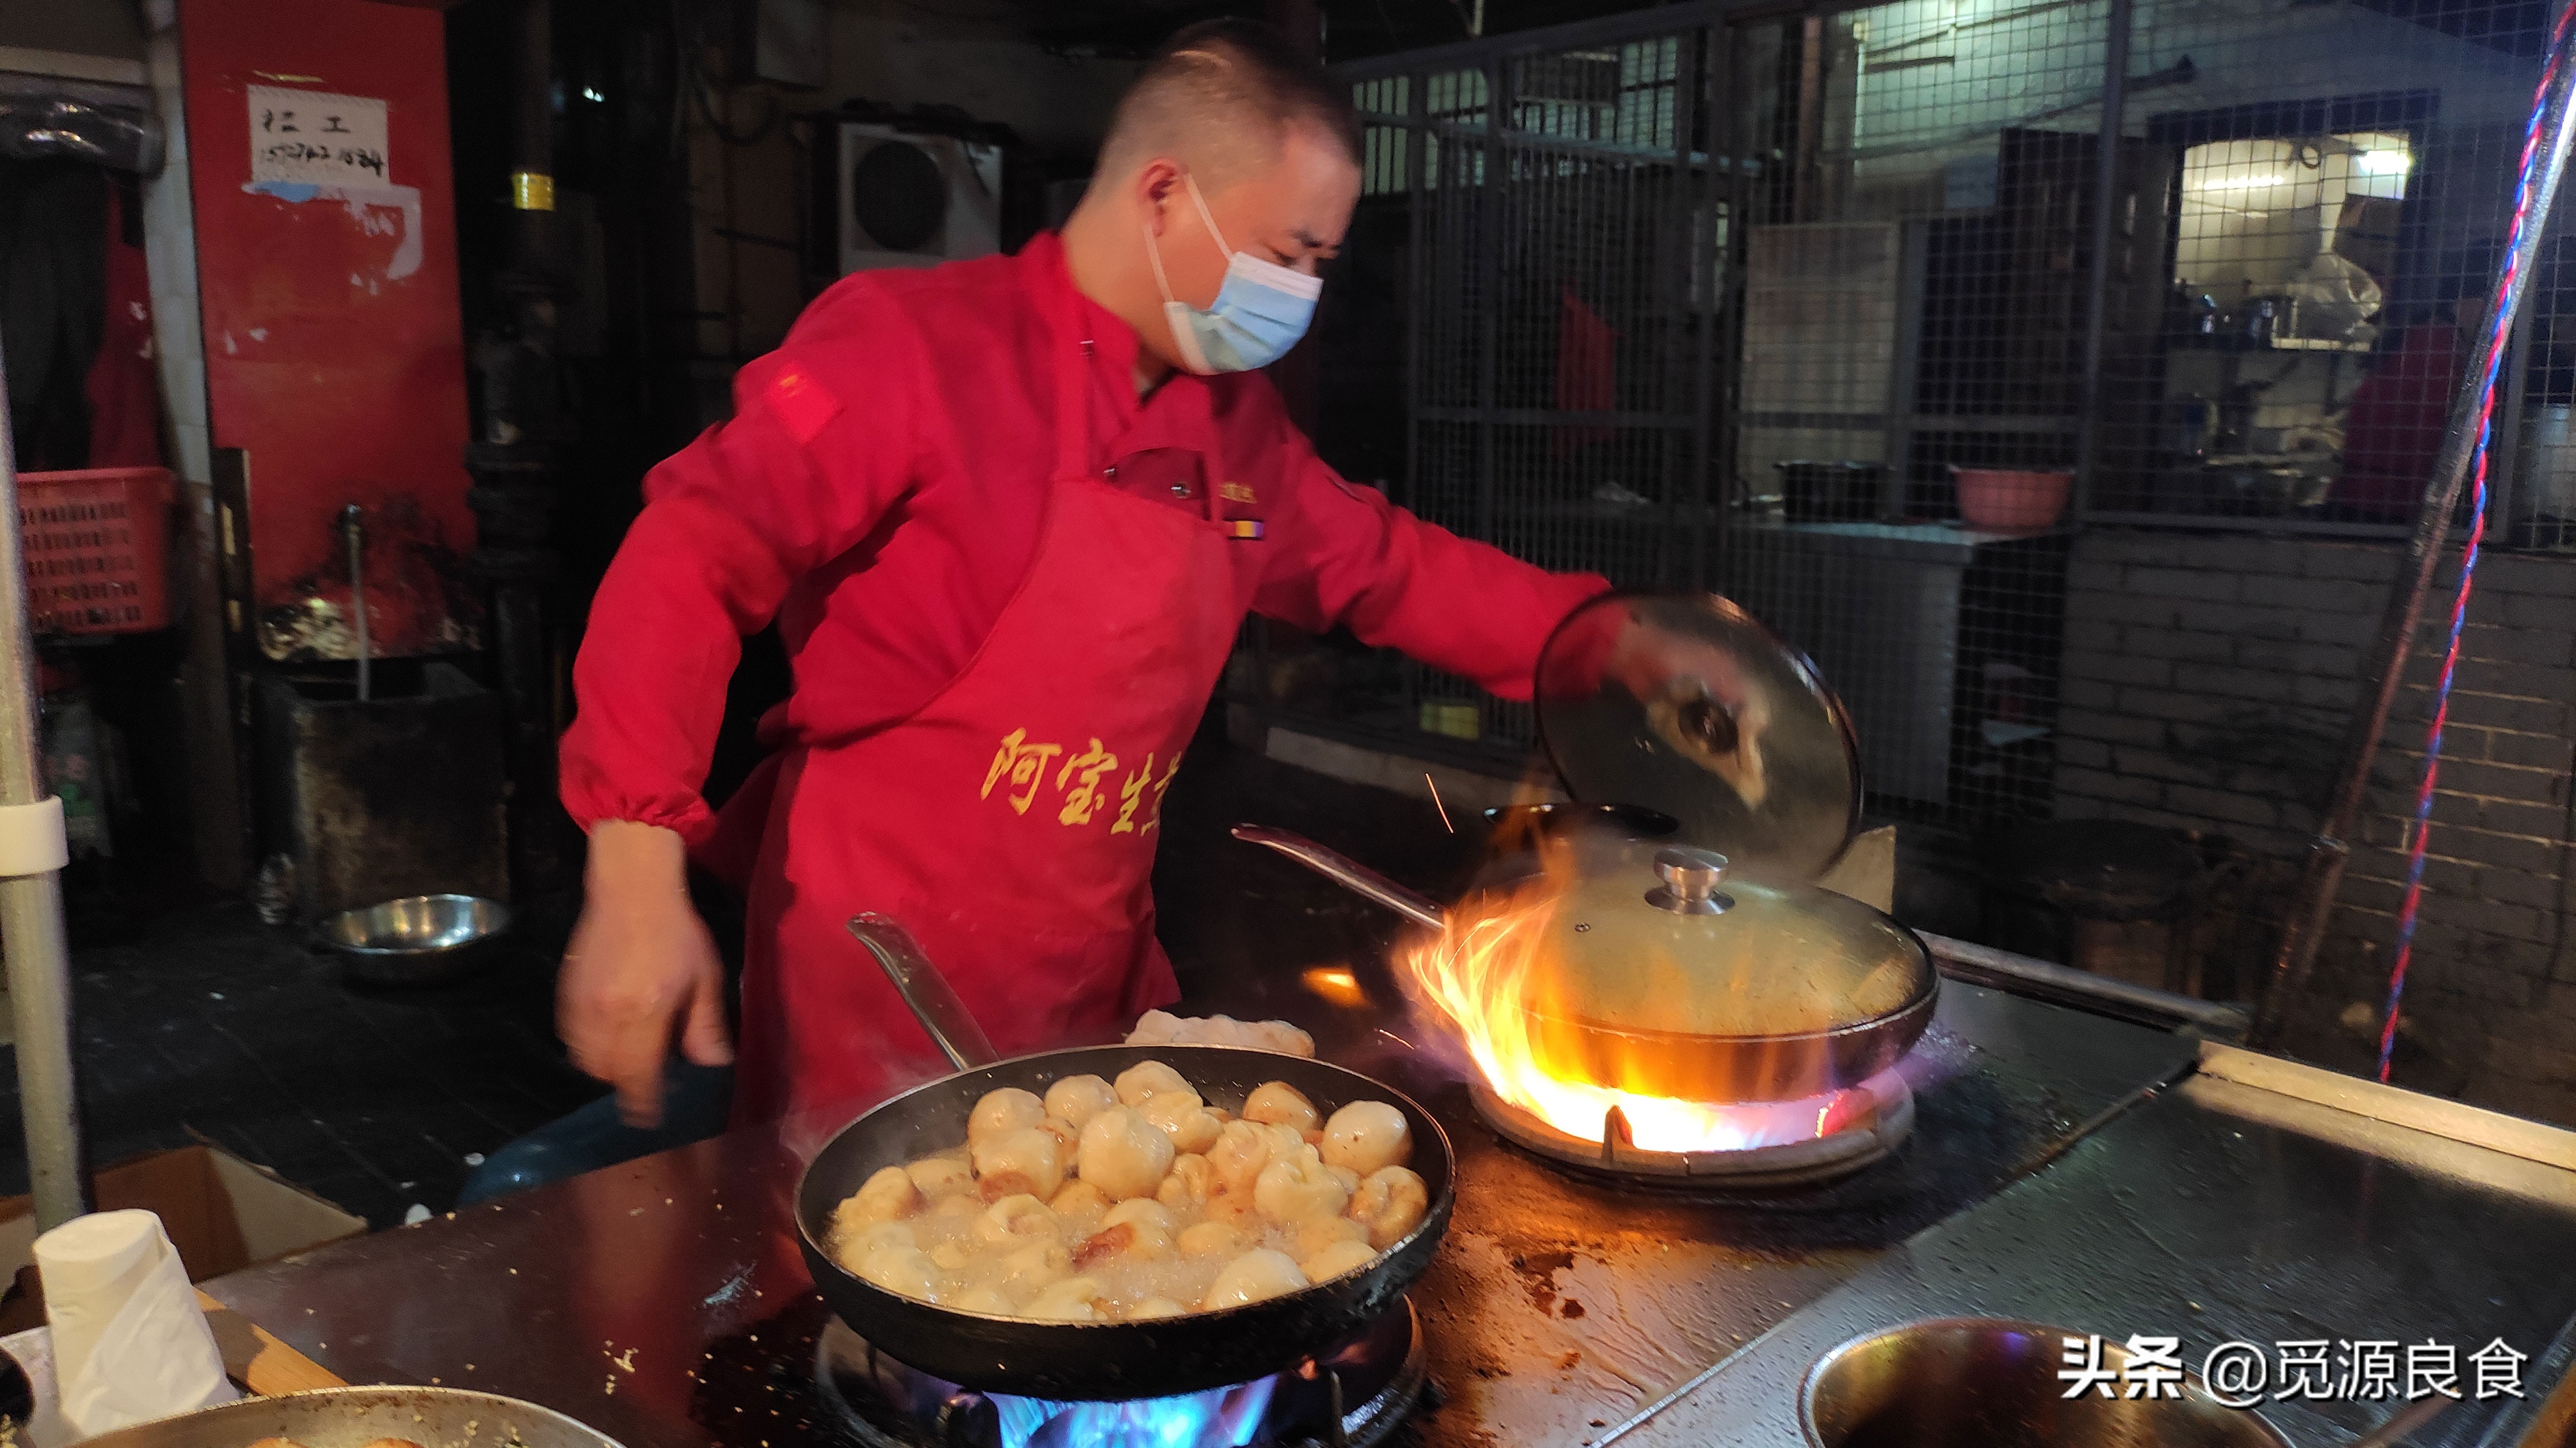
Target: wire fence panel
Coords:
[(1551, 217), (2073, 446), (1745, 305)]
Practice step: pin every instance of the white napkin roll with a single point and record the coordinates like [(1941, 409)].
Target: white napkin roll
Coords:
[(130, 1343)]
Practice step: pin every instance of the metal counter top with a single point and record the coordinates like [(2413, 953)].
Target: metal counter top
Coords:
[(2215, 1211), (1951, 543), (661, 1302)]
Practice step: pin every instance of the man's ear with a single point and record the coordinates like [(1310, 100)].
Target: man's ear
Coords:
[(1157, 183)]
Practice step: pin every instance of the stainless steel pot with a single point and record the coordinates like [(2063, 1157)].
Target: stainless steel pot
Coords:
[(356, 1417), (1974, 1382)]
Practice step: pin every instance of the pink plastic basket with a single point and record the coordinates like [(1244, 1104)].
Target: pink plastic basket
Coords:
[(97, 545)]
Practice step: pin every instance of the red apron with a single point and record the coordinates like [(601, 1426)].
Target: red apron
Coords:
[(1010, 823)]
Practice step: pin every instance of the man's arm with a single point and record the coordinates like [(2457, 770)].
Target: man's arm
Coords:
[(1357, 560), (729, 524), (1350, 558)]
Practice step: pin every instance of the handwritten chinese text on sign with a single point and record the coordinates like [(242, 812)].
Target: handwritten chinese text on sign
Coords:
[(317, 139)]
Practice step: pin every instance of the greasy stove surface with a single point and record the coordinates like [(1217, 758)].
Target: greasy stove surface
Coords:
[(660, 1301), (2215, 1212)]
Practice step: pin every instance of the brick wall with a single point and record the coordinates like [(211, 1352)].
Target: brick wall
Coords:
[(2207, 682)]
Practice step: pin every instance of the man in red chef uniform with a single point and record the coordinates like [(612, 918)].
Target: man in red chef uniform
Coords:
[(1007, 514)]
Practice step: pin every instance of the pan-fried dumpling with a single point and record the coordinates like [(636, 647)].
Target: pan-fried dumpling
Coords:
[(1068, 1138), (1073, 1299), (982, 1297), (1210, 1239), (1277, 1103), (1078, 1199), (1256, 1275), (1186, 1186), (1150, 1078), (853, 1249), (1367, 1135), (1236, 1206), (1337, 1259), (1006, 1110), (907, 1270), (1076, 1099), (1297, 1188), (1391, 1201), (1017, 1219), (1162, 1028), (1185, 1119), (1025, 1160), (1140, 1209), (888, 1196), (942, 1176), (1241, 1150), (1141, 1241), (1020, 1274), (1125, 1155), (1317, 1233)]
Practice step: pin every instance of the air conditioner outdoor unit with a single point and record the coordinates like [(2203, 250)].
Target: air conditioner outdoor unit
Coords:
[(904, 199)]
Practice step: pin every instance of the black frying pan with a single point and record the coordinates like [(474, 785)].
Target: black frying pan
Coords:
[(1094, 1360)]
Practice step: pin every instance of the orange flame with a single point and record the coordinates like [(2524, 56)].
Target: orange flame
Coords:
[(1487, 968)]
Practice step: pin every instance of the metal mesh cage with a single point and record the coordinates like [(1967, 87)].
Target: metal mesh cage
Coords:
[(1864, 316)]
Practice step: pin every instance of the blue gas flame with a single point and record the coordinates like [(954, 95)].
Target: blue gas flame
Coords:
[(1217, 1418)]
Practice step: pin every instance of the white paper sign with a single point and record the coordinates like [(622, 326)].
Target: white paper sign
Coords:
[(317, 139)]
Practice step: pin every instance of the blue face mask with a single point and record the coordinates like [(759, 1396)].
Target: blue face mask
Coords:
[(1259, 313)]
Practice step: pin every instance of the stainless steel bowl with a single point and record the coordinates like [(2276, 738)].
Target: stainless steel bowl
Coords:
[(354, 1417), (1980, 1382), (417, 940)]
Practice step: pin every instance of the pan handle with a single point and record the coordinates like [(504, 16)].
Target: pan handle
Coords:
[(1348, 873), (933, 1001)]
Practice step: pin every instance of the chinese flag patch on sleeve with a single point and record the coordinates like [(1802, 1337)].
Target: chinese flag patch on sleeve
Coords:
[(802, 403)]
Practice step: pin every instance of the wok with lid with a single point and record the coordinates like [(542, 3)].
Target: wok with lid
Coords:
[(1703, 967), (1666, 977)]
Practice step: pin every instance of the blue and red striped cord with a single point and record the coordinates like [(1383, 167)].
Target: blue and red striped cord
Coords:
[(2497, 323)]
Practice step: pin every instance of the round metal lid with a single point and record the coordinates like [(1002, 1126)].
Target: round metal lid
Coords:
[(1685, 703), (1664, 938)]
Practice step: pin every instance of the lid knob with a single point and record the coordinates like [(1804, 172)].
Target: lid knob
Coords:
[(1690, 879)]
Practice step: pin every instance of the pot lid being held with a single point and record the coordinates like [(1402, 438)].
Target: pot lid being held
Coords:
[(1685, 703)]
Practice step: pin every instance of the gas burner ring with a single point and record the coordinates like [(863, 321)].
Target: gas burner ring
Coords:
[(881, 1403), (1789, 1164)]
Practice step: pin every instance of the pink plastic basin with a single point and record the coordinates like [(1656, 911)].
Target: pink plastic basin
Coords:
[(2000, 500)]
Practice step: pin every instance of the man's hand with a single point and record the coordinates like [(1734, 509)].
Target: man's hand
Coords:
[(640, 965), (1698, 699)]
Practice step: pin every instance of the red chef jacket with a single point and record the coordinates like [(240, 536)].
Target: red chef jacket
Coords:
[(881, 492)]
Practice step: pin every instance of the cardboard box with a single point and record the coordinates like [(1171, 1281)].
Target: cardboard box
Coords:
[(221, 1212), (2365, 234)]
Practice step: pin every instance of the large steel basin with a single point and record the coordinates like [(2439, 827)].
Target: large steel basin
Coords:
[(1976, 1382)]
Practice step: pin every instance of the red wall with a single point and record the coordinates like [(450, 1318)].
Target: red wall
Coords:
[(335, 355)]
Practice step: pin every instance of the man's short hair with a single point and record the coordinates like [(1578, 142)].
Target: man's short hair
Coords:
[(1219, 97)]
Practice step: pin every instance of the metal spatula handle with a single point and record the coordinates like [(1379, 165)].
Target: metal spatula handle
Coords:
[(1350, 874), (932, 1000)]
